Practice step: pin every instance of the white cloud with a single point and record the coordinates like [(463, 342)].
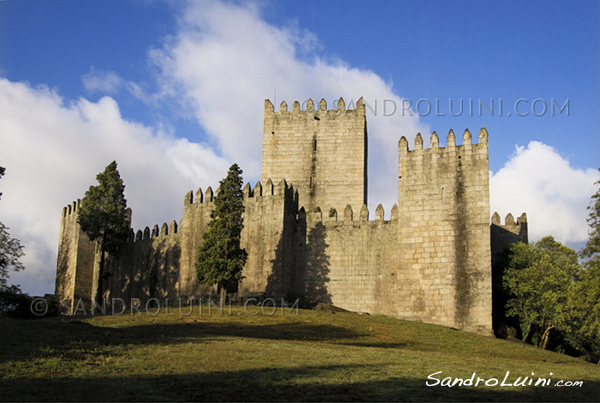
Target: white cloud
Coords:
[(538, 181), (52, 152), (225, 60), (107, 82)]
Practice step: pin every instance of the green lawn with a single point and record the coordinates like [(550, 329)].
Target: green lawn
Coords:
[(311, 356)]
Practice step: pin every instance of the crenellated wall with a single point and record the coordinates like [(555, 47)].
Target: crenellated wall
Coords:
[(322, 152), (148, 267), (443, 207), (345, 259), (75, 263), (430, 262), (501, 238), (160, 262)]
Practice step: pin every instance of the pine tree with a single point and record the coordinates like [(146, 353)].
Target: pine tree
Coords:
[(220, 258), (103, 217)]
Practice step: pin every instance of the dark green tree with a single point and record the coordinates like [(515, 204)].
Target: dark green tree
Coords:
[(103, 217), (585, 324), (220, 258), (540, 279)]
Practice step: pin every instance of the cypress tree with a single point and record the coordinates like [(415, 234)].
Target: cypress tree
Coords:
[(220, 258), (103, 217)]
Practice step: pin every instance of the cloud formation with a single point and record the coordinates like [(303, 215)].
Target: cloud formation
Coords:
[(52, 150), (107, 82), (225, 60), (540, 182)]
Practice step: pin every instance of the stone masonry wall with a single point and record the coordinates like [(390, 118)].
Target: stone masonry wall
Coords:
[(322, 152), (148, 267), (501, 238), (75, 263), (443, 207), (166, 256), (346, 258)]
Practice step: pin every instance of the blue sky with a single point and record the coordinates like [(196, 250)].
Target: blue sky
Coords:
[(174, 92)]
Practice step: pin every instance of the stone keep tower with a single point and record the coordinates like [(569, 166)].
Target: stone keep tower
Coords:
[(76, 254), (444, 236), (322, 153)]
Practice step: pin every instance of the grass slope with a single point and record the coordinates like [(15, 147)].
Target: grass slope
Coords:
[(311, 356)]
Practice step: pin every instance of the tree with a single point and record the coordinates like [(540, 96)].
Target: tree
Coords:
[(592, 247), (540, 279), (220, 258), (11, 251), (103, 217), (585, 324)]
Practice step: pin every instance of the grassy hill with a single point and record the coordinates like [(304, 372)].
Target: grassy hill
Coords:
[(308, 356)]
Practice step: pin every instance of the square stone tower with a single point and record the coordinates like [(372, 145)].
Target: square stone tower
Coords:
[(444, 210), (321, 153)]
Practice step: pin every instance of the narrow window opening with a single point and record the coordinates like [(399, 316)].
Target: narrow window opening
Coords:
[(310, 183), (442, 195), (314, 145)]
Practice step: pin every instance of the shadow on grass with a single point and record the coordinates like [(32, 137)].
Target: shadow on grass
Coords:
[(73, 338), (377, 345), (311, 383)]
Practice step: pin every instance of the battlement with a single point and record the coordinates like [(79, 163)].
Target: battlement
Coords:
[(310, 111), (164, 230), (347, 215), (323, 152), (509, 221), (71, 208), (207, 197), (268, 190), (434, 141)]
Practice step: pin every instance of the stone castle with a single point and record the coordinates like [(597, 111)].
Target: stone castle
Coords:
[(308, 234)]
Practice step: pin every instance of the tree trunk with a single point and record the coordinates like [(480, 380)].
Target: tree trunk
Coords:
[(546, 336), (527, 334), (100, 289), (223, 295)]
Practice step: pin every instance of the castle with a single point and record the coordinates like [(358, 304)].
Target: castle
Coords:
[(308, 234)]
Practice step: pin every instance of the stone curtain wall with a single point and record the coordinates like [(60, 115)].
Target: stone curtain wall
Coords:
[(268, 234), (322, 152), (347, 260), (166, 257), (148, 267), (196, 216), (503, 236)]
